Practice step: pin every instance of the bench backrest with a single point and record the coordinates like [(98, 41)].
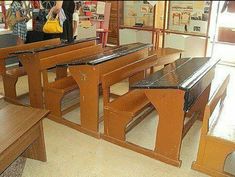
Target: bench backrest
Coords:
[(127, 71), (5, 52), (65, 57), (52, 61), (54, 51), (217, 97), (47, 51)]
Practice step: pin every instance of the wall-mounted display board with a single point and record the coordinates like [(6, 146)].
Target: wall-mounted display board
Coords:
[(145, 18), (189, 16), (138, 13)]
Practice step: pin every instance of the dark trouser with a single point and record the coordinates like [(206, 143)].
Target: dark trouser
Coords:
[(67, 30)]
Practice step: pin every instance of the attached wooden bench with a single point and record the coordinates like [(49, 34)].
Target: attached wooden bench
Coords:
[(21, 131), (217, 139), (10, 76), (121, 111), (55, 91)]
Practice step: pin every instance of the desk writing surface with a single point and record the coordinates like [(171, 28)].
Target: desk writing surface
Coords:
[(161, 52), (109, 55), (56, 46), (184, 74)]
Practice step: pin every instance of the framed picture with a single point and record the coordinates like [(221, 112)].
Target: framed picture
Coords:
[(191, 14)]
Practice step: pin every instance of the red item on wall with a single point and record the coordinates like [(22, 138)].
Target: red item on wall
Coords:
[(229, 6), (4, 13)]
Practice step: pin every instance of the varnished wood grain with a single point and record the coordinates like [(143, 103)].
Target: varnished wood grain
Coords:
[(10, 76), (21, 131), (215, 147)]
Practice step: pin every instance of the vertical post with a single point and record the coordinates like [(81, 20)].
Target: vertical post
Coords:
[(4, 13), (154, 28), (164, 23), (207, 31), (216, 24)]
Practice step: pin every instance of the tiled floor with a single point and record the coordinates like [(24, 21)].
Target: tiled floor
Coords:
[(73, 154)]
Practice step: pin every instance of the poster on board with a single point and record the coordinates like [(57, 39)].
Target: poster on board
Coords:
[(189, 16), (138, 13)]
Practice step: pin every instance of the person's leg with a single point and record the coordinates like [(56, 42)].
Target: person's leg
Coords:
[(70, 31), (64, 35), (67, 34)]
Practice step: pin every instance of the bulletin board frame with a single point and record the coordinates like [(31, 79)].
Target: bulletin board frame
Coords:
[(189, 17)]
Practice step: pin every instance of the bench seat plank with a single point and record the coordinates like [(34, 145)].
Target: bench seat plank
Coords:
[(136, 100), (224, 127), (65, 84)]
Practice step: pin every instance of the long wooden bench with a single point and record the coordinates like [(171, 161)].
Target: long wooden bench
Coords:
[(40, 60), (119, 112), (21, 131), (217, 139), (10, 76)]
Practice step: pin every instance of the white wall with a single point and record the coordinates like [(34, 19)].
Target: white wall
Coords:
[(127, 36), (193, 46)]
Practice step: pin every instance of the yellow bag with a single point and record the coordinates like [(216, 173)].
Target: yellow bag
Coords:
[(52, 25)]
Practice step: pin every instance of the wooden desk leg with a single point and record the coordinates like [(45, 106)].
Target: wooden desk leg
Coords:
[(105, 38), (87, 79), (34, 80), (35, 89), (169, 104), (37, 149), (9, 85), (101, 38)]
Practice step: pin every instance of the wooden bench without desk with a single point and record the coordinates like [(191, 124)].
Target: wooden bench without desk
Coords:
[(10, 76), (217, 135), (21, 131)]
